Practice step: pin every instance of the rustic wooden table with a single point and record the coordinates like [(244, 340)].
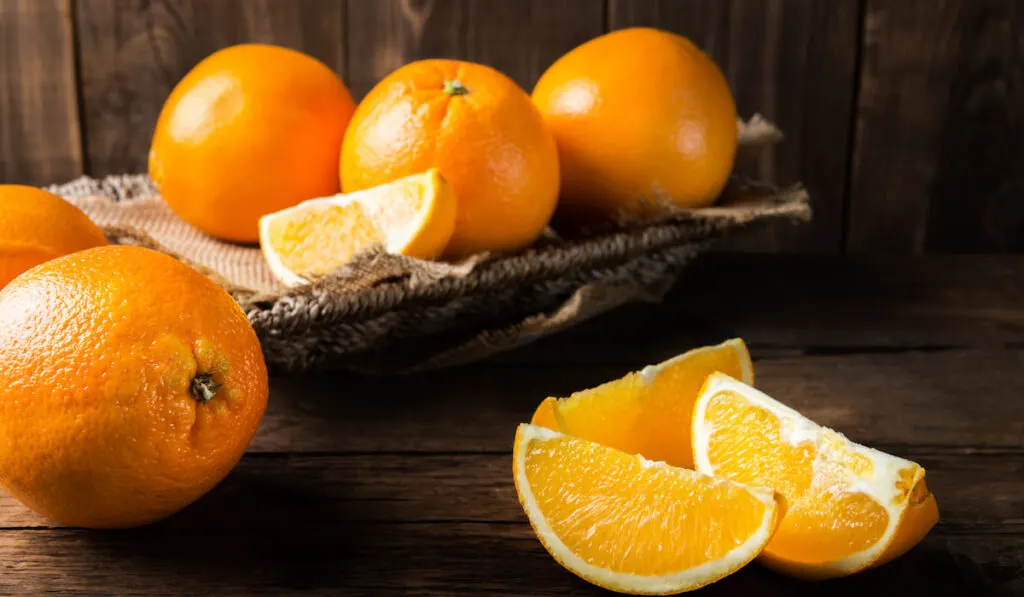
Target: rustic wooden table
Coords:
[(403, 485)]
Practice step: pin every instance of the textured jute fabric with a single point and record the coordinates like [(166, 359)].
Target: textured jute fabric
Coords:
[(386, 313)]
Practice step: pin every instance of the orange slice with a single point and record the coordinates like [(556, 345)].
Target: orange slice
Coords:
[(412, 216), (632, 525), (848, 507), (647, 412)]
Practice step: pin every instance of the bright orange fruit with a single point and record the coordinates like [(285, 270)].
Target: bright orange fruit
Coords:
[(130, 385), (632, 525), (412, 216), (644, 121), (36, 226), (480, 129), (848, 507), (251, 130), (648, 412)]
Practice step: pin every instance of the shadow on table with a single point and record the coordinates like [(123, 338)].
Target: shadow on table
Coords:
[(252, 531), (444, 411), (282, 540), (929, 569)]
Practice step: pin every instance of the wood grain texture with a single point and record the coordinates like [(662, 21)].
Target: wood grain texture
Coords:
[(429, 559), (904, 323), (794, 304), (794, 62), (402, 485), (974, 491), (39, 128), (133, 52), (519, 38), (939, 162), (963, 400)]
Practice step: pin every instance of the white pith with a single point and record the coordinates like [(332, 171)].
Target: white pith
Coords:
[(396, 240), (650, 372), (399, 239), (796, 429), (277, 267), (624, 581)]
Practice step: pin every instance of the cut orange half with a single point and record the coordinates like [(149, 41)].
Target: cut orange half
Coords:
[(848, 507), (647, 412), (412, 216), (632, 525)]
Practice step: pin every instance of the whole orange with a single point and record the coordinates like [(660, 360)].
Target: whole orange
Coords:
[(36, 226), (130, 385), (643, 120), (251, 130), (480, 129)]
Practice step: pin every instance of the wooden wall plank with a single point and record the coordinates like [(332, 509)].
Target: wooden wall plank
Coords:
[(39, 129), (939, 156), (385, 34), (522, 39), (793, 61), (133, 52), (519, 38)]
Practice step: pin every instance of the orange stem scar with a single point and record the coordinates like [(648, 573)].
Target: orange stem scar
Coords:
[(455, 88), (204, 388)]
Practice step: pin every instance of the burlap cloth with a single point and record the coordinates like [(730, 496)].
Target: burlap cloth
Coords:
[(385, 313)]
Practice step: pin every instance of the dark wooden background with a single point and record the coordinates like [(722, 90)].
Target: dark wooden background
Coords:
[(904, 118)]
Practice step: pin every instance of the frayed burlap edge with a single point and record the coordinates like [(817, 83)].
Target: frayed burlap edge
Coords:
[(386, 313)]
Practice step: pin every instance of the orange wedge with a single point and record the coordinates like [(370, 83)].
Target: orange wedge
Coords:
[(848, 507), (648, 412), (412, 216), (632, 525)]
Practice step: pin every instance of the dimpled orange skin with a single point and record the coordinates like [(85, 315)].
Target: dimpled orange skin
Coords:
[(484, 134), (99, 351), (638, 114), (251, 130), (36, 226)]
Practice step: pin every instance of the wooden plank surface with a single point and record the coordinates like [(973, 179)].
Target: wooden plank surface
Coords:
[(428, 559), (975, 491), (792, 61), (937, 164), (39, 128), (403, 484), (967, 400), (808, 305), (132, 53), (519, 38)]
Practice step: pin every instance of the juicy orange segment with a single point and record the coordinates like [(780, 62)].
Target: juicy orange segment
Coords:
[(848, 507), (647, 412), (632, 525), (412, 216)]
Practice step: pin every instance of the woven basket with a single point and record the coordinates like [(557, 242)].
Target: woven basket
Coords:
[(385, 313)]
